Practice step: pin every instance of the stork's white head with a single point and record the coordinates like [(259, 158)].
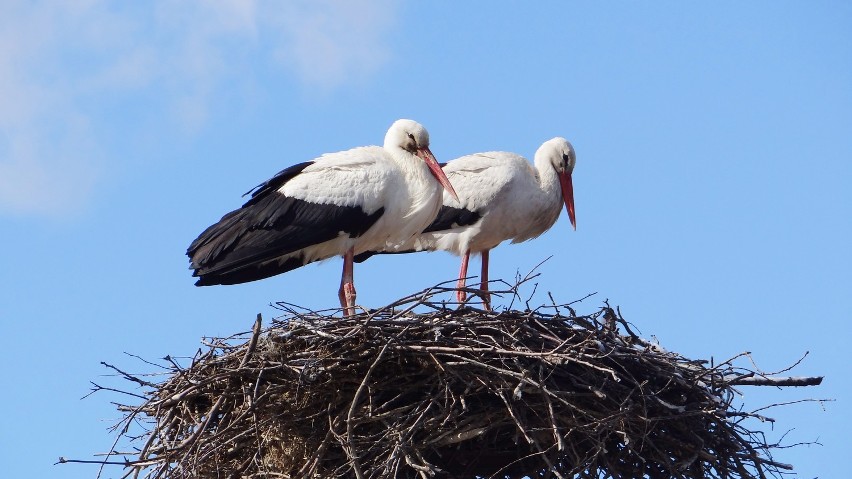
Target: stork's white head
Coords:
[(412, 138), (559, 153), (408, 135)]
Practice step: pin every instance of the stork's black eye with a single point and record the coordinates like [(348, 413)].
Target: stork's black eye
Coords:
[(413, 143)]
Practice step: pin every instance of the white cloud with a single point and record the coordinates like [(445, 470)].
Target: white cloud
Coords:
[(329, 42), (46, 155), (55, 57)]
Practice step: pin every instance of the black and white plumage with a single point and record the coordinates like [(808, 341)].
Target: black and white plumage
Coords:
[(343, 203), (503, 197)]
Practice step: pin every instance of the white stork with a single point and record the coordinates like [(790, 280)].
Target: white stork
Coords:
[(343, 203), (502, 198)]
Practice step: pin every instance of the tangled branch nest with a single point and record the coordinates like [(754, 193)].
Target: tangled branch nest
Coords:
[(457, 393)]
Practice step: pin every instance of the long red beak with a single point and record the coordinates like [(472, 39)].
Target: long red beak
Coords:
[(426, 155), (568, 196)]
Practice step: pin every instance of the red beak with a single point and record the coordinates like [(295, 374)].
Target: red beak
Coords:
[(426, 155), (568, 196)]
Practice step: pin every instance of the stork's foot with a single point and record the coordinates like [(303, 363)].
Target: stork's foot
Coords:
[(484, 295), (486, 299)]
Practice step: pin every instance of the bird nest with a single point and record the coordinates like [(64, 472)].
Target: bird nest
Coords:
[(445, 392)]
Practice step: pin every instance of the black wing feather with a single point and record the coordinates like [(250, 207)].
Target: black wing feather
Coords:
[(449, 218), (244, 244), (272, 184)]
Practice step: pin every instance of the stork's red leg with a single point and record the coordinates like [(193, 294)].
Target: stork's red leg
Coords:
[(347, 292), (486, 296), (461, 296)]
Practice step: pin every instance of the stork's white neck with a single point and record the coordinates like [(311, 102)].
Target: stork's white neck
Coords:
[(554, 157), (548, 179)]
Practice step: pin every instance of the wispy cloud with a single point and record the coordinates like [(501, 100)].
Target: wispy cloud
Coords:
[(46, 154), (53, 56), (329, 42)]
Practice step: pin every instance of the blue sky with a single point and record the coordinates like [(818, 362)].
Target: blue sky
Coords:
[(712, 184)]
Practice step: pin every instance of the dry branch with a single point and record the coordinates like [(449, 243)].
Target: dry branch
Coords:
[(447, 393)]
